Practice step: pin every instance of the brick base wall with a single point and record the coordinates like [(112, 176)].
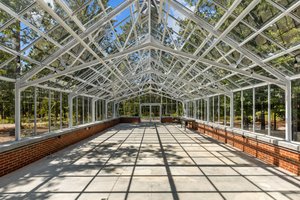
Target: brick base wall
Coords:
[(14, 159), (166, 119), (268, 153), (134, 120)]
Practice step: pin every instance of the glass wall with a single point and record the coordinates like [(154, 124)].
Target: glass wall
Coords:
[(252, 105), (222, 110), (260, 109), (169, 107)]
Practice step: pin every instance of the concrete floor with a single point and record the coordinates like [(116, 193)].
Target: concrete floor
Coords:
[(149, 161)]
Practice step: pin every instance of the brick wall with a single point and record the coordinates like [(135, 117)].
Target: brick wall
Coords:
[(268, 153), (134, 120), (166, 119), (16, 158)]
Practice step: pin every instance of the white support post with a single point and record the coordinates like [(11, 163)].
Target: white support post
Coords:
[(49, 111), (160, 112), (76, 110), (114, 109), (213, 109), (184, 109), (288, 111), (118, 108), (70, 103), (231, 111), (105, 109), (269, 109), (242, 110), (201, 111), (35, 110), (83, 105), (187, 110), (176, 108), (225, 111), (207, 110), (60, 110), (195, 108), (93, 107), (218, 109), (17, 111), (88, 110), (253, 108), (140, 109)]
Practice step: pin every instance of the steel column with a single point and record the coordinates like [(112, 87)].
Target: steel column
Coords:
[(288, 112), (17, 111), (269, 109), (70, 104), (231, 111)]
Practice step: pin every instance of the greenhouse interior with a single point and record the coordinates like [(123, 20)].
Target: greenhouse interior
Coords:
[(150, 99)]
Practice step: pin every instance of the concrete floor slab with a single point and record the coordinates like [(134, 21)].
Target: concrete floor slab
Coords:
[(192, 183), (108, 184), (247, 196), (198, 196), (64, 184), (150, 184), (182, 170), (142, 162), (233, 183)]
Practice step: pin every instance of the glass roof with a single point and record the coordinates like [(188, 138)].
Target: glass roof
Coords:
[(114, 49)]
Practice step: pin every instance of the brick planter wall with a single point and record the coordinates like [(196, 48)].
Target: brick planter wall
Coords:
[(267, 152), (16, 158)]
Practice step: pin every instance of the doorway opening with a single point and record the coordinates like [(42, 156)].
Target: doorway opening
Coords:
[(150, 112)]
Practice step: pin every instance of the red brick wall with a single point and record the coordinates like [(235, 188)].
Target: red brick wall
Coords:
[(166, 119), (16, 158), (268, 153), (134, 120)]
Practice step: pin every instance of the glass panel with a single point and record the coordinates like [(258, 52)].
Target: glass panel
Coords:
[(296, 109), (222, 109), (237, 109), (261, 14), (55, 111), (285, 31), (42, 111), (145, 113), (248, 109), (261, 109), (277, 111), (110, 110), (155, 113), (65, 111), (17, 5), (227, 111), (211, 109), (216, 114), (7, 106), (210, 12)]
